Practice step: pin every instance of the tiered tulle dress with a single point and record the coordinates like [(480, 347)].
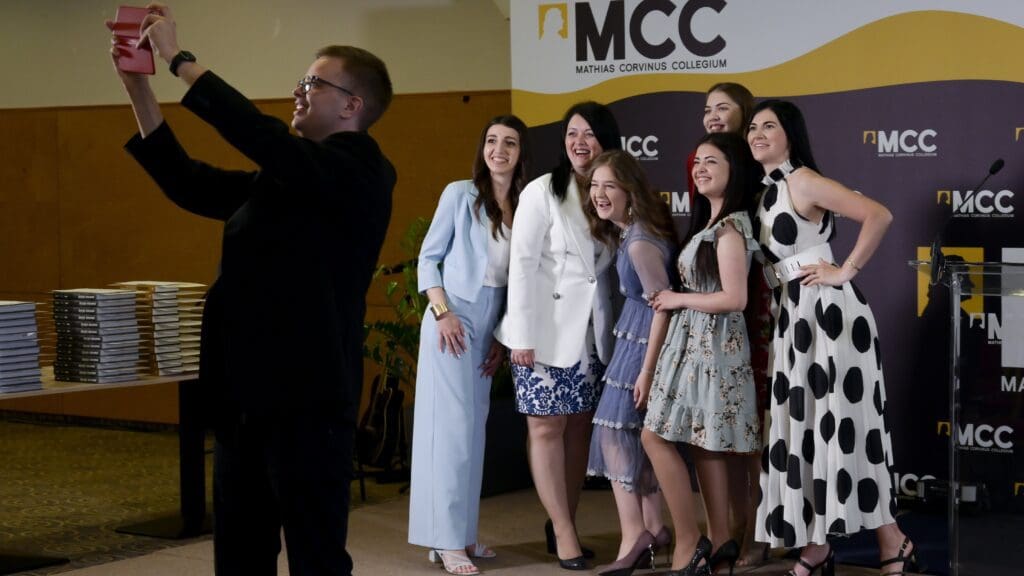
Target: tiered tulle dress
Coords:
[(615, 452)]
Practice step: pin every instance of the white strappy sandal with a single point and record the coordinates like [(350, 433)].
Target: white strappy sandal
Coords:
[(454, 563), (479, 550)]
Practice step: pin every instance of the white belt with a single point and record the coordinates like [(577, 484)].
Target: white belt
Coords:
[(789, 268)]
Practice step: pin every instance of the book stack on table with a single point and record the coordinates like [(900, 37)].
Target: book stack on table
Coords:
[(19, 347), (170, 316), (97, 335)]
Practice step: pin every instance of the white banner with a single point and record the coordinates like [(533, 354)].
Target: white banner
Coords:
[(569, 46)]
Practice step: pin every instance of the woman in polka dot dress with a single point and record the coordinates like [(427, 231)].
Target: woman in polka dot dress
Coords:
[(826, 463)]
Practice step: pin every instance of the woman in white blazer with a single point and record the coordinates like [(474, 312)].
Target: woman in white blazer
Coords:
[(559, 322), (463, 269)]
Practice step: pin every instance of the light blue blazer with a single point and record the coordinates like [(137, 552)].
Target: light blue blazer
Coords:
[(458, 239)]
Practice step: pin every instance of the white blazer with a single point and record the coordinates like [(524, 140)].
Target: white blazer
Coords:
[(557, 279)]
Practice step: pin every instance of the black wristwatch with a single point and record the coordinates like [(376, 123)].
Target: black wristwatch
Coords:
[(179, 58)]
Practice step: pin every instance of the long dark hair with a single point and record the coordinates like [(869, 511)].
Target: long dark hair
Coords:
[(647, 209), (739, 94), (792, 121), (482, 174), (738, 197), (605, 128)]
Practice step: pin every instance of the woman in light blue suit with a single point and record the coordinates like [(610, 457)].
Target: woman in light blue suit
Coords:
[(463, 269)]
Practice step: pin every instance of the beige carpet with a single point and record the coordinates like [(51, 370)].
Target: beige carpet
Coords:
[(511, 523), (65, 488)]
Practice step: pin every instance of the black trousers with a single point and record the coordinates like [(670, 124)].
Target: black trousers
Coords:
[(275, 473)]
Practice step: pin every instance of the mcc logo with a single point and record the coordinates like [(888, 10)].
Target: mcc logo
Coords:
[(678, 203), (907, 484), (977, 204), (610, 35), (1014, 383), (553, 20), (641, 147), (979, 438), (903, 143)]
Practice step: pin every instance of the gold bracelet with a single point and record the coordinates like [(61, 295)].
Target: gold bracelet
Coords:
[(438, 309), (853, 264)]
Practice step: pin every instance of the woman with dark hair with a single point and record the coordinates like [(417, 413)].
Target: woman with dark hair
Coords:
[(463, 268), (827, 462), (627, 215), (558, 323), (702, 391), (730, 484), (727, 108)]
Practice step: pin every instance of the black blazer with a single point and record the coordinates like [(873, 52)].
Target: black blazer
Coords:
[(283, 324)]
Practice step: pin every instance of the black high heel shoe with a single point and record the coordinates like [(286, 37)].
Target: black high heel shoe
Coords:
[(642, 551), (577, 563), (549, 536), (727, 553), (695, 568), (828, 565), (909, 562)]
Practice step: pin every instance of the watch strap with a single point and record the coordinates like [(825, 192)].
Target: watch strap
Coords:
[(180, 58)]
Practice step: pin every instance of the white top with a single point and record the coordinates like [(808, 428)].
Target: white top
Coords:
[(498, 252)]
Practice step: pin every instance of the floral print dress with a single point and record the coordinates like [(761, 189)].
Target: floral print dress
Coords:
[(703, 389)]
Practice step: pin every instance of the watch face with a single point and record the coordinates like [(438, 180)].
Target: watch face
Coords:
[(187, 56)]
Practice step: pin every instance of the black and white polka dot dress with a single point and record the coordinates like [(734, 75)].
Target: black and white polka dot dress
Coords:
[(825, 468)]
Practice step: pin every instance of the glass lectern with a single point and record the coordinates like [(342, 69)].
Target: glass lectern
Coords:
[(986, 416)]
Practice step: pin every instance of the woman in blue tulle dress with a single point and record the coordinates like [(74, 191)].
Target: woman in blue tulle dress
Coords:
[(628, 215)]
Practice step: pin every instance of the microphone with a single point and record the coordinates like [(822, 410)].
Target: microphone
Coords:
[(937, 258)]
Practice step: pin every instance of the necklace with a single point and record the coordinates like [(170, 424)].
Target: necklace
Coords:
[(625, 231)]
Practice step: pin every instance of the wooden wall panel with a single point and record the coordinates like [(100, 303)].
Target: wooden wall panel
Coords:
[(29, 232), (77, 211)]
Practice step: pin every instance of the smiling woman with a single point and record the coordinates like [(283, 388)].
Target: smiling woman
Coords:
[(558, 321), (824, 322), (629, 216), (702, 391), (463, 269)]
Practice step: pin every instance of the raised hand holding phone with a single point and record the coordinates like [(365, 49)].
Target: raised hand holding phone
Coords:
[(132, 55)]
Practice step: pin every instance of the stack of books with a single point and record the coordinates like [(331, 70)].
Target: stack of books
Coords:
[(19, 347), (97, 335), (170, 316)]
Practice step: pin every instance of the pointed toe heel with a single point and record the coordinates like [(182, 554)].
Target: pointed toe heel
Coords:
[(640, 554), (727, 553), (577, 563)]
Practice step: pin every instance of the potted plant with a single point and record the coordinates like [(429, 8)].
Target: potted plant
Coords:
[(392, 344)]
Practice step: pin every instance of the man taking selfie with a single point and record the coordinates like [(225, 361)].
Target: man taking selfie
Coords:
[(283, 325)]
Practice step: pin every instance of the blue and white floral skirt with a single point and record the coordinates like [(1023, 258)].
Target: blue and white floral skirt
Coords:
[(551, 391)]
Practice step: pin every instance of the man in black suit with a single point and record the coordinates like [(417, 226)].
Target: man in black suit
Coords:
[(283, 325)]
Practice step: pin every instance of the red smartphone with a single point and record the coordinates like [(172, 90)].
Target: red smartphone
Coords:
[(126, 28)]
